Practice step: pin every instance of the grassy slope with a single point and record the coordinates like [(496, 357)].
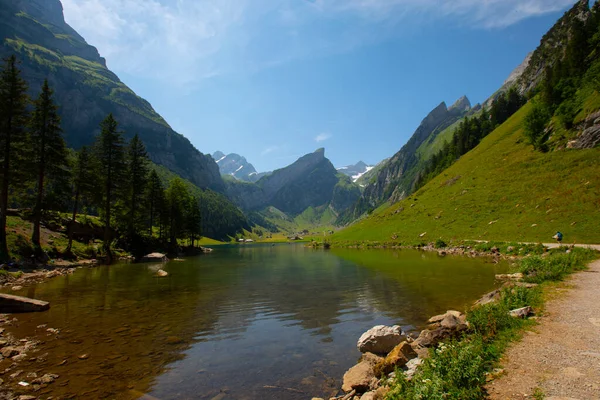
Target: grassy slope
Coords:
[(501, 180)]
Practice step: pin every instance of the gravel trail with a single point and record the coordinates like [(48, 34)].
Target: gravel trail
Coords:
[(561, 356)]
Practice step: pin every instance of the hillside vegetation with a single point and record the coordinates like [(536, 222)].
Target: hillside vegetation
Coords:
[(501, 190)]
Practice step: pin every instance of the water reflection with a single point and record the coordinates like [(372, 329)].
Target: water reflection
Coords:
[(245, 322)]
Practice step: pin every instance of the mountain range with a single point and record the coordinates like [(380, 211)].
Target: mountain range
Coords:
[(356, 171), (311, 187)]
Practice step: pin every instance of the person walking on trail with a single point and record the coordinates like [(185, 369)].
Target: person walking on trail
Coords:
[(558, 237)]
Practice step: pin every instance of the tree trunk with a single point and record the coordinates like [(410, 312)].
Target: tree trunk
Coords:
[(73, 219), (107, 233), (37, 214), (4, 254)]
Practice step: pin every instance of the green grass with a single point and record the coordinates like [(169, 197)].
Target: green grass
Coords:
[(502, 190), (458, 369)]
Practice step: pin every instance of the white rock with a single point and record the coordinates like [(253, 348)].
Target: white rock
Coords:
[(380, 339)]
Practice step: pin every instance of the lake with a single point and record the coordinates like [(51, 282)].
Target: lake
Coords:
[(244, 322)]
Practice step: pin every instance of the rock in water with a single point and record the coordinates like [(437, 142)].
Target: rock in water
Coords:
[(153, 257), (380, 339), (16, 304), (161, 273)]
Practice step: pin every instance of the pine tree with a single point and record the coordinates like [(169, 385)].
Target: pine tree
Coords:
[(194, 220), (13, 120), (110, 154), (177, 203), (155, 197), (83, 185), (137, 179), (49, 157)]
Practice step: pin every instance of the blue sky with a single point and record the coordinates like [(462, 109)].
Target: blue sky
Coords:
[(273, 80)]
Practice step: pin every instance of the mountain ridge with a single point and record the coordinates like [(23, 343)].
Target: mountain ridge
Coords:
[(48, 48)]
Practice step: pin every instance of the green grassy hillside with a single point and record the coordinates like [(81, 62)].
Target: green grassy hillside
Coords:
[(502, 190)]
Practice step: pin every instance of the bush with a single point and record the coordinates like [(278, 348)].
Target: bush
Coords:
[(454, 371), (555, 267), (440, 244)]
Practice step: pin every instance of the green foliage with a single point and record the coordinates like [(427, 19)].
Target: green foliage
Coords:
[(136, 183), (455, 370), (535, 126), (13, 120), (440, 244), (48, 159), (539, 269), (110, 154)]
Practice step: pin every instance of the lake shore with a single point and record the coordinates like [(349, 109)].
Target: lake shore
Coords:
[(470, 334)]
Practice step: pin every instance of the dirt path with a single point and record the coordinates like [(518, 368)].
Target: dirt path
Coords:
[(562, 355)]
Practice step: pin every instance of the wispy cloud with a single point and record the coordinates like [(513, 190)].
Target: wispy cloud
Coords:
[(185, 41), (323, 137), (269, 150)]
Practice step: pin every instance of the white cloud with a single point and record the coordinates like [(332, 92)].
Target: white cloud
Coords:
[(185, 41), (323, 137), (269, 150)]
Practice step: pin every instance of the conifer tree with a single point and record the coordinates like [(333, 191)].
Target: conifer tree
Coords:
[(137, 179), (49, 157), (110, 154), (194, 220), (13, 120), (177, 203), (83, 185), (155, 197)]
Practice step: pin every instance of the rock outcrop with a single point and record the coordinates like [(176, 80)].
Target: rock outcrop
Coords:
[(590, 135)]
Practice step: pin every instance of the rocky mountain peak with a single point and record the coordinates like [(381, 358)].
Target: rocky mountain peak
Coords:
[(461, 105), (234, 165)]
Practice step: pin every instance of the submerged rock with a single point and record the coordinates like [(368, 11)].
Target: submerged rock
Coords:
[(380, 339), (161, 273)]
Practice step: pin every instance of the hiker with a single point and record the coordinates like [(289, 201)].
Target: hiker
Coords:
[(558, 237)]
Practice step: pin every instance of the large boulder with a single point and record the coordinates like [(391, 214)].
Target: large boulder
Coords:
[(397, 358), (380, 339), (361, 376)]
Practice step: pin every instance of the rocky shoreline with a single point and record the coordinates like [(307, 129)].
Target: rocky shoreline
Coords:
[(388, 349)]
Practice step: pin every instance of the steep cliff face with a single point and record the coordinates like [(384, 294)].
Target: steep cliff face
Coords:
[(552, 46), (396, 177), (35, 30)]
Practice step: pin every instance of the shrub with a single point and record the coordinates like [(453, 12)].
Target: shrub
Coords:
[(455, 370), (535, 126), (555, 267), (440, 244)]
